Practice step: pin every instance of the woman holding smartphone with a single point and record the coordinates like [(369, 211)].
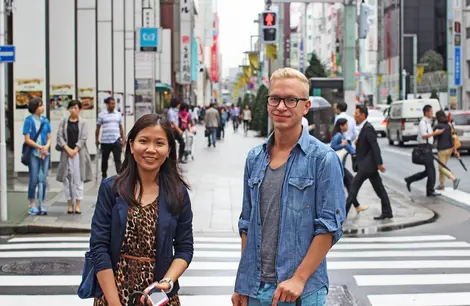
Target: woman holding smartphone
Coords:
[(141, 232)]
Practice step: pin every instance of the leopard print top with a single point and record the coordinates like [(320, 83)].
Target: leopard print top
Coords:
[(139, 241)]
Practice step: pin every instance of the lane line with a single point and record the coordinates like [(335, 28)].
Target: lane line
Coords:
[(399, 238), (398, 264), (412, 279), (365, 246)]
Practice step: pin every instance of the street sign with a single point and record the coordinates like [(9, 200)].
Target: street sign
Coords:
[(457, 66), (7, 54), (148, 39)]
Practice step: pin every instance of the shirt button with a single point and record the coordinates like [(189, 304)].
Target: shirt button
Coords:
[(337, 211)]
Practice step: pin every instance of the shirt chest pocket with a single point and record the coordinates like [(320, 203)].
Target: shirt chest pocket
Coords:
[(300, 194)]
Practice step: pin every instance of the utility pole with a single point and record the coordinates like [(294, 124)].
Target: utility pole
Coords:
[(3, 126)]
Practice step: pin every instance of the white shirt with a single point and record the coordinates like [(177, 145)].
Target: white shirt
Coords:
[(304, 122), (424, 128), (352, 132)]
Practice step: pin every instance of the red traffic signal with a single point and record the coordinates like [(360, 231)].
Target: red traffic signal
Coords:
[(269, 19)]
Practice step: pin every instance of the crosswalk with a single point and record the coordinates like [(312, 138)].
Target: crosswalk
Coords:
[(426, 270)]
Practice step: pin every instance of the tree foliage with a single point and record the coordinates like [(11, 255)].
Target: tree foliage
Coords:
[(259, 111), (315, 68), (433, 61), (389, 99), (239, 101), (434, 94)]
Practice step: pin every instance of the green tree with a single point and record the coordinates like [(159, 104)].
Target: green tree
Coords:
[(434, 94), (389, 99), (315, 68), (239, 102), (432, 61), (259, 111)]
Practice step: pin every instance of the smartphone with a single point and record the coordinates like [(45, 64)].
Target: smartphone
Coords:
[(158, 297)]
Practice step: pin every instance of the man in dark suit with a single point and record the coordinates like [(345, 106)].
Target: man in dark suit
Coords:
[(368, 162)]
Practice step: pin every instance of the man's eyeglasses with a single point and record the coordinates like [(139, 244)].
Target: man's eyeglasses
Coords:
[(288, 102)]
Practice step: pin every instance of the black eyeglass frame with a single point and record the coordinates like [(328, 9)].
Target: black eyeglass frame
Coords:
[(284, 100)]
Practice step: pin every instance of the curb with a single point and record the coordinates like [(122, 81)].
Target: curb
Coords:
[(370, 230)]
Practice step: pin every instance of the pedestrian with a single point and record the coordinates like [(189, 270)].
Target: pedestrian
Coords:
[(425, 140), (148, 199), (173, 117), (292, 183), (75, 163), (37, 135), (246, 119), (234, 112), (109, 122), (351, 133), (367, 163), (445, 149), (212, 121), (339, 142)]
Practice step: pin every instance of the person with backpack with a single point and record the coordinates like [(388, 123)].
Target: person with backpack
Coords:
[(37, 135)]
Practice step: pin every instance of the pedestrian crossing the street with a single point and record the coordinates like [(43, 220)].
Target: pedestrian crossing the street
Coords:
[(428, 270)]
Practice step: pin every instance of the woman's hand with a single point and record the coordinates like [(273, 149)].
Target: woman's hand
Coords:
[(161, 286)]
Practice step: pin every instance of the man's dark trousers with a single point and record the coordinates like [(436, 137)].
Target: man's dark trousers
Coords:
[(180, 140), (106, 149), (376, 181), (429, 172)]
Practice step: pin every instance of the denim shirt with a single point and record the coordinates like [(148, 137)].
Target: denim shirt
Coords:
[(313, 202)]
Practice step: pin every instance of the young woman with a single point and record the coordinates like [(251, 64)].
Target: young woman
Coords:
[(339, 142), (445, 149), (141, 216), (75, 162), (39, 158)]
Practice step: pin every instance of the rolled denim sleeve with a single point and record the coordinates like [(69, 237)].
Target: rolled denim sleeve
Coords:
[(100, 239), (244, 220), (330, 197), (184, 241)]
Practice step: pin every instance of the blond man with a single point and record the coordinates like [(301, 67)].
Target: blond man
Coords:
[(293, 206)]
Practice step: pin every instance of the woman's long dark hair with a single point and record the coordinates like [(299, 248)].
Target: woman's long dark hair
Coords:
[(441, 117), (339, 123), (169, 177)]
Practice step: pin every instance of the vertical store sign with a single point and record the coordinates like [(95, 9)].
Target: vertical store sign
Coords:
[(214, 51), (186, 10), (457, 53)]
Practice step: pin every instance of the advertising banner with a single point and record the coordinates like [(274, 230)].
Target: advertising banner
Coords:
[(60, 96), (143, 97), (87, 98), (25, 90)]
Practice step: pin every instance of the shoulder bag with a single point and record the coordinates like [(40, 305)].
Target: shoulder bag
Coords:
[(26, 150), (421, 153), (57, 147)]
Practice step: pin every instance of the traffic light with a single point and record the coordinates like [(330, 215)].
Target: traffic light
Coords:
[(269, 27)]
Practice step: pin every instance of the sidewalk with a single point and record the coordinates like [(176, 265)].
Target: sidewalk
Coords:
[(216, 179)]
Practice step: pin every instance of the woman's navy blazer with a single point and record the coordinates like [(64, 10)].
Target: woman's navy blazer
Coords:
[(108, 227)]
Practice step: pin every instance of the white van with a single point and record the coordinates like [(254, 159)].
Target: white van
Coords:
[(404, 117)]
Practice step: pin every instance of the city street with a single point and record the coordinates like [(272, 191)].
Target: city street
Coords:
[(416, 266)]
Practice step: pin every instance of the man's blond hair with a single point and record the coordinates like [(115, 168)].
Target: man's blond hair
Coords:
[(290, 73)]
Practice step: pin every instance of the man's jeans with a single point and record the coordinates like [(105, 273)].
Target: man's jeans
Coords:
[(213, 135), (266, 292), (38, 169)]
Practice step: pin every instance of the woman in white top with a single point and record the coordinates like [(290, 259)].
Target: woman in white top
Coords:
[(246, 118)]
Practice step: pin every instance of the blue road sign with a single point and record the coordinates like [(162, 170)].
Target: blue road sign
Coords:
[(7, 54), (457, 67), (148, 39)]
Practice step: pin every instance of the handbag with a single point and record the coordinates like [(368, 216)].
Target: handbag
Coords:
[(26, 150), (420, 154), (341, 154), (206, 133), (87, 288), (455, 138)]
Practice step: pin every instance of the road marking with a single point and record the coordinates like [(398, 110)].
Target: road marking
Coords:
[(397, 264), (378, 254), (398, 239), (412, 279), (87, 238), (456, 195), (74, 280), (85, 246), (421, 299), (74, 300), (364, 246)]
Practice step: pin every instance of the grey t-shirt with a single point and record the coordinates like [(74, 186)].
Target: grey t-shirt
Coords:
[(270, 211)]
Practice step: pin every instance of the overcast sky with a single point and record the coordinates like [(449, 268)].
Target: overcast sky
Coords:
[(236, 25)]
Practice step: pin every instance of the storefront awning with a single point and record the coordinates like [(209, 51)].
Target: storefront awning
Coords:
[(161, 87)]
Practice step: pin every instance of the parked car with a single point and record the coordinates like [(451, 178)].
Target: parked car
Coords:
[(461, 122), (377, 119)]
